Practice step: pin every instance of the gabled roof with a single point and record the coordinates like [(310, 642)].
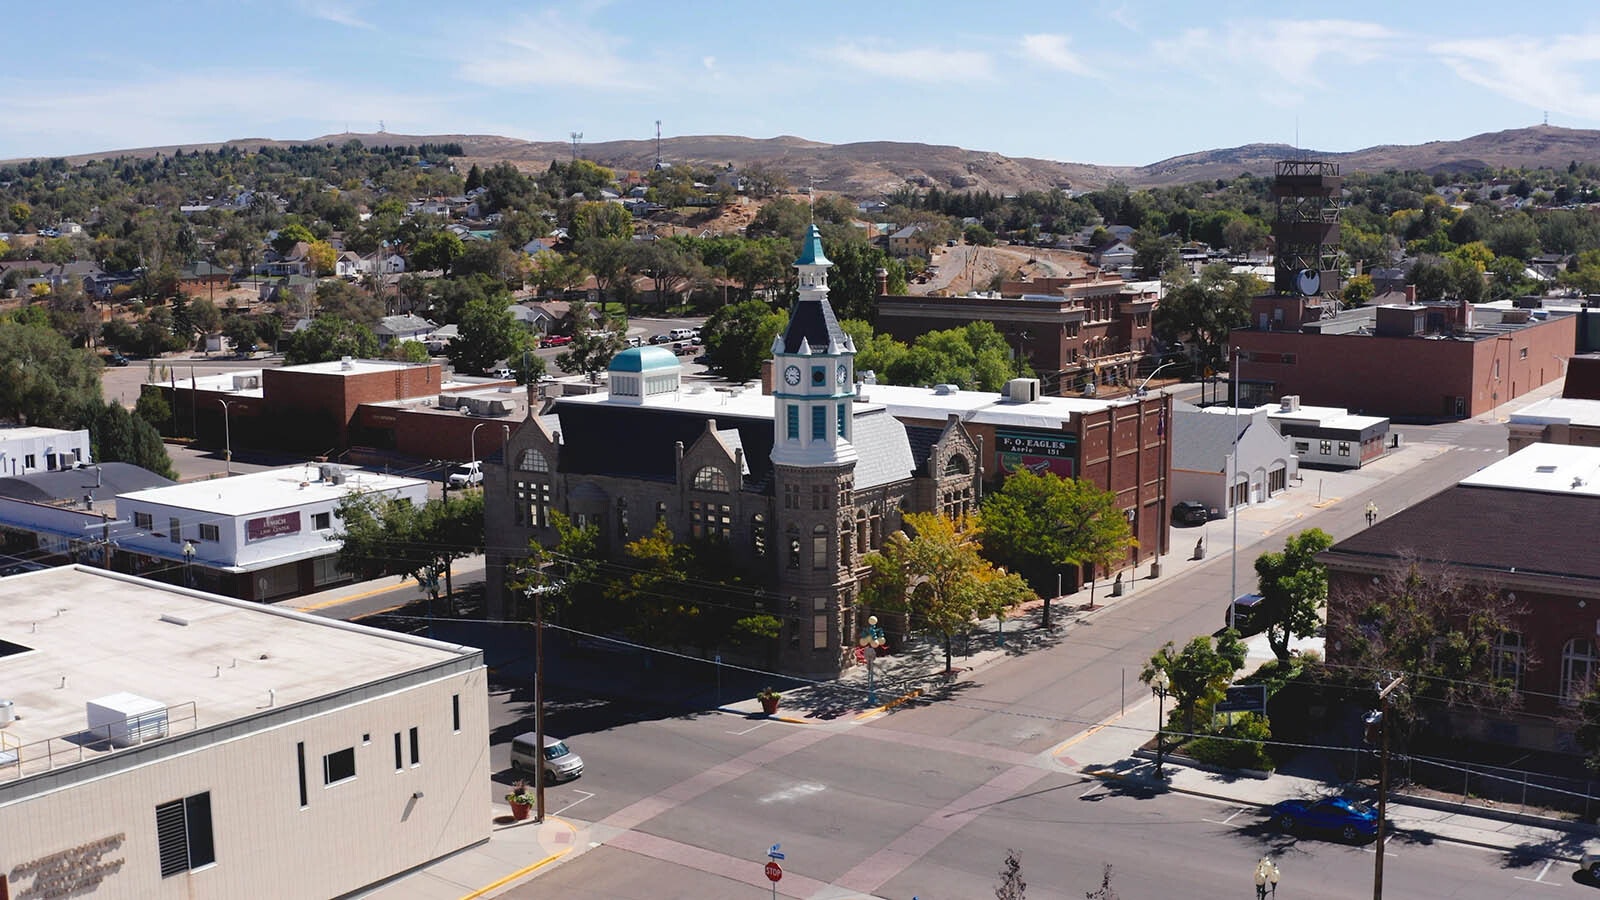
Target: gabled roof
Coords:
[(883, 451), (406, 324), (1202, 442)]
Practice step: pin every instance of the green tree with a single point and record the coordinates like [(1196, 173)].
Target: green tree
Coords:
[(1293, 588), (975, 356), (738, 338), (341, 299), (115, 435), (43, 380), (20, 213), (436, 250), (1198, 674), (1154, 254), (557, 273), (567, 575), (119, 334), (328, 338), (937, 578), (406, 351), (593, 345), (1036, 524), (1205, 309), (204, 316), (487, 334), (384, 535), (607, 260), (289, 235), (1358, 291), (853, 280), (241, 333), (601, 220), (876, 353)]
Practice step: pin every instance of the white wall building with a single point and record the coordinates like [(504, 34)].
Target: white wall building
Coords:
[(251, 751), (258, 536), (26, 449)]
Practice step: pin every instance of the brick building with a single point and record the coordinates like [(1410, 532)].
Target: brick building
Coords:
[(1413, 361), (1572, 418), (1512, 527), (1078, 333)]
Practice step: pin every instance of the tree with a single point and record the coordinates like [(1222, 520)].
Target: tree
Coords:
[(1436, 626), (557, 272), (853, 280), (115, 435), (204, 316), (118, 334), (241, 333), (567, 575), (1203, 310), (43, 380), (738, 338), (1431, 279), (487, 334), (328, 338), (436, 250), (668, 265), (406, 351), (384, 535), (606, 259), (593, 345), (1154, 254), (1035, 524), (936, 576), (1358, 291), (1293, 587), (601, 220), (323, 258), (289, 235), (975, 356), (344, 300), (1198, 675)]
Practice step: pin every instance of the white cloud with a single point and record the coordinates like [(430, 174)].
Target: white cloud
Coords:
[(548, 51), (1296, 52), (1124, 17), (926, 65), (336, 12), (709, 62), (1052, 50), (1544, 73)]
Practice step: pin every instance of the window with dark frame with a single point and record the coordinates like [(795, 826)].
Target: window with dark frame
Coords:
[(455, 712), (416, 746), (183, 835), (340, 765), (300, 763), (399, 758)]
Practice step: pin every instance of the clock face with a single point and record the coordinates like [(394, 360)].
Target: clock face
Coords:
[(841, 374), (792, 375), (1308, 282)]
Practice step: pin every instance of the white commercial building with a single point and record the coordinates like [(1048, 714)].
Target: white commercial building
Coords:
[(26, 449), (157, 742), (259, 536)]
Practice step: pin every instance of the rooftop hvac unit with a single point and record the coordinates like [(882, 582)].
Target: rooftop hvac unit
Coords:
[(127, 719), (1289, 403), (944, 389), (8, 712), (246, 382), (1022, 390)]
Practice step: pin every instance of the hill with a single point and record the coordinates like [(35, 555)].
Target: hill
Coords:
[(872, 168)]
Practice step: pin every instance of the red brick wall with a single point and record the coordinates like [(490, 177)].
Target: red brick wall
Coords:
[(1407, 377), (337, 396)]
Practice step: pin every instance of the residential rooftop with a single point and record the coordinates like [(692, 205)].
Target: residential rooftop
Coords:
[(273, 489), (74, 634)]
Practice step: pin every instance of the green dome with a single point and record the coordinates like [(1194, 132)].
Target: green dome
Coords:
[(644, 359)]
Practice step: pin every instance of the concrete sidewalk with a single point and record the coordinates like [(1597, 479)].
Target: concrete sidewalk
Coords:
[(514, 851)]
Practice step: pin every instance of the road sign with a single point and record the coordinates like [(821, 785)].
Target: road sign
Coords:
[(776, 854), (1244, 698), (774, 872)]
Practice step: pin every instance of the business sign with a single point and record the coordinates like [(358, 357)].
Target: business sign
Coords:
[(1037, 451), (272, 526), (1244, 698)]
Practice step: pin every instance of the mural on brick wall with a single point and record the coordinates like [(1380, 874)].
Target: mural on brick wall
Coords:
[(1037, 451)]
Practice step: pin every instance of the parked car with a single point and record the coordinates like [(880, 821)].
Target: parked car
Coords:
[(503, 372), (682, 334), (116, 359), (1591, 861), (1243, 617), (555, 340), (466, 474), (660, 339), (685, 348), (560, 763), (1350, 819), (633, 340), (1190, 512)]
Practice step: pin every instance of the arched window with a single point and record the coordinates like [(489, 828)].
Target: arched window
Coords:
[(1577, 669), (533, 461), (711, 478), (819, 547), (957, 465)]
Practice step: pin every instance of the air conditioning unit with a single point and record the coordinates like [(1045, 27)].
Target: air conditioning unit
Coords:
[(127, 719), (1022, 390)]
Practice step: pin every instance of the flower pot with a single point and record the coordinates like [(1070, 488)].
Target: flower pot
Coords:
[(769, 705), (520, 811)]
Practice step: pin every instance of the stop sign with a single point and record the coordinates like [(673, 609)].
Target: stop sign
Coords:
[(774, 871)]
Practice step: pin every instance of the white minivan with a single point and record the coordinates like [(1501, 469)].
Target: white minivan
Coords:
[(560, 763), (681, 334)]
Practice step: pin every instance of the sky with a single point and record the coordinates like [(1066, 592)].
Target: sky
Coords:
[(1119, 82)]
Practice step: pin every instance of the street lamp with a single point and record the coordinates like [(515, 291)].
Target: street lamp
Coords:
[(1266, 878), (1159, 683), (1139, 391), (188, 563), (871, 641), (227, 436), (473, 440)]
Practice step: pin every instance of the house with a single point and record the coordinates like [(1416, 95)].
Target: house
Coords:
[(296, 261), (912, 240), (402, 328), (1114, 256), (1328, 437), (533, 317), (352, 265), (69, 515), (218, 746), (203, 275), (1204, 464), (1509, 528), (26, 449)]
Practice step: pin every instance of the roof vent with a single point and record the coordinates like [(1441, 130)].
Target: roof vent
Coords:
[(1545, 469), (346, 364), (945, 389)]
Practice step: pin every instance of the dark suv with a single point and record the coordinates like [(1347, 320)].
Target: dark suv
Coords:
[(1190, 512)]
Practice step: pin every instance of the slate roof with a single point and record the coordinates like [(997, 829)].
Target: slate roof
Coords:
[(883, 449), (406, 324), (813, 322), (1487, 530), (921, 439), (1201, 442), (640, 441), (71, 484)]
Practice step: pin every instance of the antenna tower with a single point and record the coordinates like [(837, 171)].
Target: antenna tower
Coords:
[(658, 143), (576, 137), (381, 129)]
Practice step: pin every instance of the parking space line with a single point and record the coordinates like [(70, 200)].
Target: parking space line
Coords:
[(750, 729), (1098, 785), (586, 796), (1539, 879), (1231, 816)]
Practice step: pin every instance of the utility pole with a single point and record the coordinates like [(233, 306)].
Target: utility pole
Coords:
[(538, 702), (1379, 717)]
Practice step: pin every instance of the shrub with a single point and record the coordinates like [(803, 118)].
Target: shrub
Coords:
[(1237, 746)]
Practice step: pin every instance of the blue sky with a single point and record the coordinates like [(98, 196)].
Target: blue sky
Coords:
[(1115, 82)]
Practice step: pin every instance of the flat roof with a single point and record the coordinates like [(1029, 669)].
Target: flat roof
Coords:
[(1321, 416), (12, 432), (277, 488), (495, 390), (1559, 411), (84, 633), (984, 407), (746, 402), (1545, 468)]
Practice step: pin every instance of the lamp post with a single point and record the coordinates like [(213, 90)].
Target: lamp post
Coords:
[(473, 441), (1233, 487), (1266, 878), (227, 437), (1159, 684), (188, 563), (533, 593), (1139, 391), (871, 641), (1377, 721)]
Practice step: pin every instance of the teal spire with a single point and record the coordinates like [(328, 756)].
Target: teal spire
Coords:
[(811, 249)]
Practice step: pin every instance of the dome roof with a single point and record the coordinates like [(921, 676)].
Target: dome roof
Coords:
[(644, 359)]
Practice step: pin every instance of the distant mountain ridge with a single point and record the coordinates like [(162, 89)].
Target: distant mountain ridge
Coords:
[(871, 168)]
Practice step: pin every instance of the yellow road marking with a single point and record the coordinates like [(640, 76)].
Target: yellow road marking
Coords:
[(361, 596)]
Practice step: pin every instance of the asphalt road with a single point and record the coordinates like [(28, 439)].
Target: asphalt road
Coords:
[(925, 801)]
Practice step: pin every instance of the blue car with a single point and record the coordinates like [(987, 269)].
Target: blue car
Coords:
[(1349, 819)]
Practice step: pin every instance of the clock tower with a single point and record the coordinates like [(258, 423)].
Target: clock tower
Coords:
[(813, 372)]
